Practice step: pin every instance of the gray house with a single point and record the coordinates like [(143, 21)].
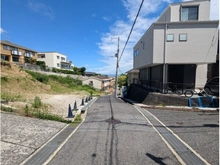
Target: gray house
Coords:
[(178, 47)]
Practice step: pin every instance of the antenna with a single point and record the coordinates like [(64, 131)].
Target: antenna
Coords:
[(6, 35)]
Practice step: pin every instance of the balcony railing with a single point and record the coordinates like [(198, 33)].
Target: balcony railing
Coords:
[(15, 52), (66, 61), (154, 85), (28, 54)]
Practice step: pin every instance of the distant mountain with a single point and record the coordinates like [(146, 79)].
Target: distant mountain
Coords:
[(111, 75)]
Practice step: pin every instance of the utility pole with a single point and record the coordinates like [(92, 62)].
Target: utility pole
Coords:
[(116, 76)]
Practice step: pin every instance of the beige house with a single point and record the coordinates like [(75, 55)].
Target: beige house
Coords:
[(100, 82), (178, 47), (133, 76), (55, 60), (16, 53)]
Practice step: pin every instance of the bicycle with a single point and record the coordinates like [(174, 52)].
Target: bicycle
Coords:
[(173, 89), (190, 92)]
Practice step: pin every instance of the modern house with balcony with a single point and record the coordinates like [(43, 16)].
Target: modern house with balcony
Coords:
[(55, 60), (16, 53), (179, 46)]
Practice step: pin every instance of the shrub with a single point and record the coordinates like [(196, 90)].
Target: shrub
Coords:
[(37, 102), (4, 79), (38, 76)]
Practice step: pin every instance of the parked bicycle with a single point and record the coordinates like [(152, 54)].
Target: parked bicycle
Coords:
[(190, 92), (173, 89)]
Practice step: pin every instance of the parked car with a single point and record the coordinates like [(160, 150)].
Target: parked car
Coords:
[(212, 86)]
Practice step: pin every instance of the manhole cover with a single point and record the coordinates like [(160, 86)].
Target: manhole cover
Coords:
[(113, 121)]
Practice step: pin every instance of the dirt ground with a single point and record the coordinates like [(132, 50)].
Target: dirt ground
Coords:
[(56, 104), (21, 84)]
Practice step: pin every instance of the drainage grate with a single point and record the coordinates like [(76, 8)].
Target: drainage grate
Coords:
[(44, 154), (178, 146)]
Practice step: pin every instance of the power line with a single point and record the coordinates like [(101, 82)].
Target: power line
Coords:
[(131, 29)]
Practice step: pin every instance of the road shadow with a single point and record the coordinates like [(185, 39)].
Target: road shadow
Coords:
[(158, 160)]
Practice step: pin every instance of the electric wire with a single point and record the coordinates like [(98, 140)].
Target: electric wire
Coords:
[(131, 30)]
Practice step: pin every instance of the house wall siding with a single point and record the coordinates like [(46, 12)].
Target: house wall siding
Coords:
[(145, 56), (51, 59), (200, 47), (201, 75), (96, 83)]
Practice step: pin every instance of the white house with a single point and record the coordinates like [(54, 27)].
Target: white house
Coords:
[(55, 60), (178, 47), (133, 76), (100, 82)]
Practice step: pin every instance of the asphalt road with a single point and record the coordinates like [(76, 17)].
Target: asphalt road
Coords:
[(114, 133), (200, 130)]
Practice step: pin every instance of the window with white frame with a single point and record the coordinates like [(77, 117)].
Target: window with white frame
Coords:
[(58, 64), (183, 37), (58, 57), (170, 37), (189, 13)]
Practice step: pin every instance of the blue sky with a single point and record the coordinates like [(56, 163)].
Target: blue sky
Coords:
[(85, 31)]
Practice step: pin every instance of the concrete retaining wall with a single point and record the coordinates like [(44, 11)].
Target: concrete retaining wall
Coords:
[(141, 95)]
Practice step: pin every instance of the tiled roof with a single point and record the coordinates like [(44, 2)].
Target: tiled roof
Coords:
[(16, 45)]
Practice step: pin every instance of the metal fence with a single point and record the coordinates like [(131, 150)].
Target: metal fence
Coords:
[(157, 86)]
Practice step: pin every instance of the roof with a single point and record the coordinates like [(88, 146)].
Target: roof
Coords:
[(133, 71), (100, 78), (52, 52), (16, 45), (90, 73), (188, 2)]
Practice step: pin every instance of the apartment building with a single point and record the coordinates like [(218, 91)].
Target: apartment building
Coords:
[(16, 53), (178, 47), (55, 60)]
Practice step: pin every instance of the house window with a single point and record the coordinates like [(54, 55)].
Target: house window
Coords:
[(58, 64), (183, 37), (15, 59), (170, 37), (41, 55), (189, 13), (136, 52), (6, 47), (58, 57), (62, 58), (13, 48)]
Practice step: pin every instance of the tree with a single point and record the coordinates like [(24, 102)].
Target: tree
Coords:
[(122, 80), (82, 70), (42, 64), (75, 70)]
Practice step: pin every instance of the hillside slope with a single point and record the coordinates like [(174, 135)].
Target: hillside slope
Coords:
[(16, 82), (20, 89)]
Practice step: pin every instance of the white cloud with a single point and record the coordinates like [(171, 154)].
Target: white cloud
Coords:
[(121, 28), (2, 31), (106, 18), (41, 8)]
